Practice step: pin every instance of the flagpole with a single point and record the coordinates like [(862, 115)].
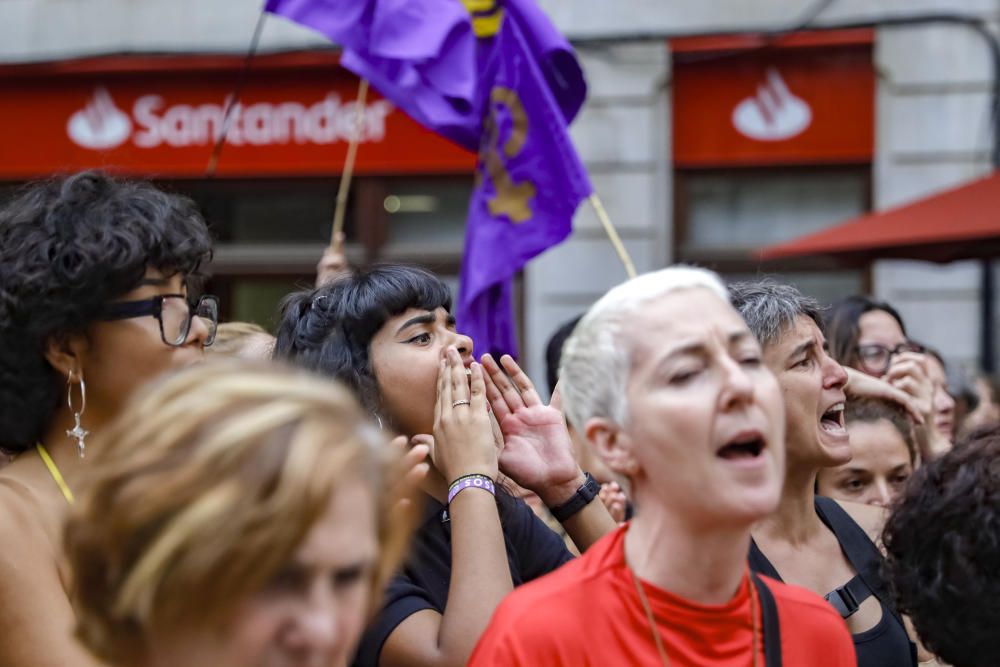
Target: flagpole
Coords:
[(336, 238), (213, 160), (612, 233)]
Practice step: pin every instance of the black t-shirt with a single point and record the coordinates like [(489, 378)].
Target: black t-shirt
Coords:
[(532, 550)]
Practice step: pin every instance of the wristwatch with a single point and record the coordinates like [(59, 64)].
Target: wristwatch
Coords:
[(586, 493)]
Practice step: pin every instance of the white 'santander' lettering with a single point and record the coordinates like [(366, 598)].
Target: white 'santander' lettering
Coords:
[(260, 124)]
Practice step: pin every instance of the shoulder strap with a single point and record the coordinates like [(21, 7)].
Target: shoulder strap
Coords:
[(772, 627), (852, 537), (848, 598), (859, 549), (759, 562)]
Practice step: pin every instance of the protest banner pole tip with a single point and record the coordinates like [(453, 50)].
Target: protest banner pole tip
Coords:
[(616, 241), (336, 238), (234, 98)]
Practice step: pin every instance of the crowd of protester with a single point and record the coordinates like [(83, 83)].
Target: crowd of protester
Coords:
[(723, 476)]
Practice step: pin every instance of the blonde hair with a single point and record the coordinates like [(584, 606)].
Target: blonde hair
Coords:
[(234, 338), (204, 488)]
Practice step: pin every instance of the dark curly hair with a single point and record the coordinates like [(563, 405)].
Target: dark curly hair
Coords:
[(943, 552), (329, 329), (68, 246)]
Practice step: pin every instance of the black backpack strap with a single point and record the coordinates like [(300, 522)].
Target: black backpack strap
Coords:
[(759, 562), (772, 627), (859, 549), (849, 597)]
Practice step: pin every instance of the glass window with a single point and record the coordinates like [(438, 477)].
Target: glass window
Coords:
[(746, 211), (270, 233), (427, 212), (724, 216), (268, 212), (257, 299)]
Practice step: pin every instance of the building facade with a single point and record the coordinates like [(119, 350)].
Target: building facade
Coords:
[(703, 143)]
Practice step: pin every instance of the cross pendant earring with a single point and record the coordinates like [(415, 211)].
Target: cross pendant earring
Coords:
[(77, 431), (80, 434)]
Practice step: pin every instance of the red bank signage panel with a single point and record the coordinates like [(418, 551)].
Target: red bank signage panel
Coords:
[(288, 123), (796, 106)]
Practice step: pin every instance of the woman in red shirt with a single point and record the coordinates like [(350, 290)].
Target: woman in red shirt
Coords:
[(665, 380)]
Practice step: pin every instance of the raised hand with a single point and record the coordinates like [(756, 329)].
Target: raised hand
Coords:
[(537, 451), (409, 469), (861, 385), (463, 436), (614, 500), (333, 263), (909, 373)]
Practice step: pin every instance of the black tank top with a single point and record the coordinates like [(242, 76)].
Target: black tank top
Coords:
[(886, 644)]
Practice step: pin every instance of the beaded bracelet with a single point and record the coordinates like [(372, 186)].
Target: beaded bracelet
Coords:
[(470, 482)]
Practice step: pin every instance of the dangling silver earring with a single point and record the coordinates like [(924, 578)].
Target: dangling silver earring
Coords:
[(77, 431), (378, 420)]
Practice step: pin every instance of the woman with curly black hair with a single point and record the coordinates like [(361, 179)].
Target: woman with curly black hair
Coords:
[(942, 545), (94, 302), (388, 334)]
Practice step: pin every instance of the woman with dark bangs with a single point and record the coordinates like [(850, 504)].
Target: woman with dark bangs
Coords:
[(94, 302), (388, 333)]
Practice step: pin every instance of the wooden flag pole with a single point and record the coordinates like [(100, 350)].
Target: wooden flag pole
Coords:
[(337, 237), (612, 233)]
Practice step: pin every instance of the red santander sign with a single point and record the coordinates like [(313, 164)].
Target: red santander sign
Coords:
[(288, 122), (774, 107)]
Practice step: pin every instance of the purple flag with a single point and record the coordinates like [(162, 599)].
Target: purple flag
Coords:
[(510, 93), (529, 179), (420, 54)]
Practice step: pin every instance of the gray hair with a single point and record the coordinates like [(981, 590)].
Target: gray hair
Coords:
[(595, 363), (769, 307)]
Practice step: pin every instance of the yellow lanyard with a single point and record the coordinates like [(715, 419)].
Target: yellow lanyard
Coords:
[(56, 475)]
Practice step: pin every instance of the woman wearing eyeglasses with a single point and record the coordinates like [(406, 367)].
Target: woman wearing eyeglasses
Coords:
[(94, 302), (869, 336)]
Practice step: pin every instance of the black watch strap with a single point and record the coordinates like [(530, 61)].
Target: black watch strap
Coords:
[(583, 496)]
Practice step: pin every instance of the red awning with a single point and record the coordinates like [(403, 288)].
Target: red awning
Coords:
[(962, 223)]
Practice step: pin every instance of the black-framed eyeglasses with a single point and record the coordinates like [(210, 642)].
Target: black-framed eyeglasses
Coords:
[(173, 312), (877, 358)]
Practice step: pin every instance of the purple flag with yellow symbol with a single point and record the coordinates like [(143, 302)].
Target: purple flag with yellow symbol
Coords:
[(529, 179), (493, 76)]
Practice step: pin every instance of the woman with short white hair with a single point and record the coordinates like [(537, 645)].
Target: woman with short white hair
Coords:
[(665, 380)]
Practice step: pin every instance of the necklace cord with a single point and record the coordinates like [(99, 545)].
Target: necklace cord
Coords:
[(54, 472)]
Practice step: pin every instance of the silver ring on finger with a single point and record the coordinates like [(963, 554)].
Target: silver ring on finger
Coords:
[(461, 402)]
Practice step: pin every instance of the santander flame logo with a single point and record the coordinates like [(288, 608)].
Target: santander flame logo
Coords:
[(99, 125), (774, 113)]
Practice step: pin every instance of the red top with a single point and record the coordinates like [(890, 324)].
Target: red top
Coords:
[(588, 613)]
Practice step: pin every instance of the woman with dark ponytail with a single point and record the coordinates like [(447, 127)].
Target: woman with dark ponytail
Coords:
[(387, 332)]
